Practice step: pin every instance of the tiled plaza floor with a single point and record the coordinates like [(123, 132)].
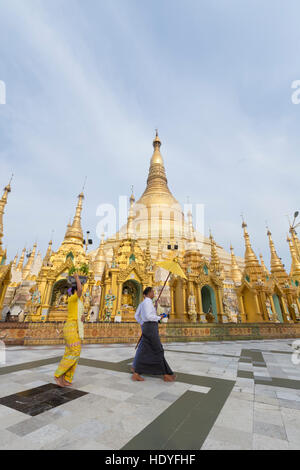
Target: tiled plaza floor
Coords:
[(229, 395)]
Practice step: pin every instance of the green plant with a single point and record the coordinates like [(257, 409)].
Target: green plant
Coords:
[(72, 271), (82, 269)]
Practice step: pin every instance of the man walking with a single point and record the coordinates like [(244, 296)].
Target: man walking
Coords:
[(149, 357)]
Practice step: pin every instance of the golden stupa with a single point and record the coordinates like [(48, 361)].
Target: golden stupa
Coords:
[(219, 286)]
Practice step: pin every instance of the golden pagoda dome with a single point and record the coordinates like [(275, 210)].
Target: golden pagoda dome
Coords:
[(158, 213)]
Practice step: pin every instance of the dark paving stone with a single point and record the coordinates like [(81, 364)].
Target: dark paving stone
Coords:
[(281, 352), (29, 365), (40, 399), (245, 374), (186, 423), (247, 360), (278, 382), (258, 378), (200, 353)]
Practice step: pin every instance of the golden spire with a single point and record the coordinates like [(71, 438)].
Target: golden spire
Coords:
[(236, 273), (48, 254), (3, 202), (21, 260), (74, 231), (190, 225), (264, 267), (276, 264), (130, 228), (295, 266), (99, 261), (252, 267), (159, 250), (157, 183), (14, 264), (27, 269), (3, 257), (250, 257), (296, 242), (215, 264)]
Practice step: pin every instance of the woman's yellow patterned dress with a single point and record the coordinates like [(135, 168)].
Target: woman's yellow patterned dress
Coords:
[(71, 356)]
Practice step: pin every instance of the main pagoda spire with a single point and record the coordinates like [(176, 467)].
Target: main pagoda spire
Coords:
[(157, 183), (74, 231)]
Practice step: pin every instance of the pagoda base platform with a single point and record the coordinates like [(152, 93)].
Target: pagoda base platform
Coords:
[(47, 333)]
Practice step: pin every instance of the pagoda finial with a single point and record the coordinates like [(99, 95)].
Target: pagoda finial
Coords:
[(156, 141), (27, 269), (236, 273), (295, 266), (264, 267), (276, 264), (157, 183), (21, 260), (84, 183), (250, 257), (3, 202), (132, 198)]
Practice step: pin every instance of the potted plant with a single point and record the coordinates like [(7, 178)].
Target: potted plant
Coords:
[(82, 271)]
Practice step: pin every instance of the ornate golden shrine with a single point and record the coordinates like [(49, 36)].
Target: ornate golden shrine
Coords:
[(130, 274)]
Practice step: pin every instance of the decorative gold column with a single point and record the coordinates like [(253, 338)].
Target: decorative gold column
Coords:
[(264, 312), (3, 290), (242, 308), (221, 311), (201, 313), (298, 303), (172, 302), (184, 287), (273, 308), (119, 296), (258, 313)]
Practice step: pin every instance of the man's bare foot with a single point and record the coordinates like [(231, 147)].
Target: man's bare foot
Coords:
[(169, 378), (132, 370), (59, 381), (66, 383), (137, 377)]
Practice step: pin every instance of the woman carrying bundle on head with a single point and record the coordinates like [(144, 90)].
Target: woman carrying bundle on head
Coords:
[(73, 334)]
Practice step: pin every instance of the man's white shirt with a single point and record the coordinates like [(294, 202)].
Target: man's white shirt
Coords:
[(146, 312)]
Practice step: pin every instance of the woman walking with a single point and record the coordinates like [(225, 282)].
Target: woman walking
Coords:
[(73, 334)]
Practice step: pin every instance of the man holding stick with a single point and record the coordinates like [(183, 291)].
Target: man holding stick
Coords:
[(150, 354)]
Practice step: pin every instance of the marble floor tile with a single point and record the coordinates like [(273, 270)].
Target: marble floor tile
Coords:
[(268, 443), (270, 430), (116, 410), (231, 437)]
